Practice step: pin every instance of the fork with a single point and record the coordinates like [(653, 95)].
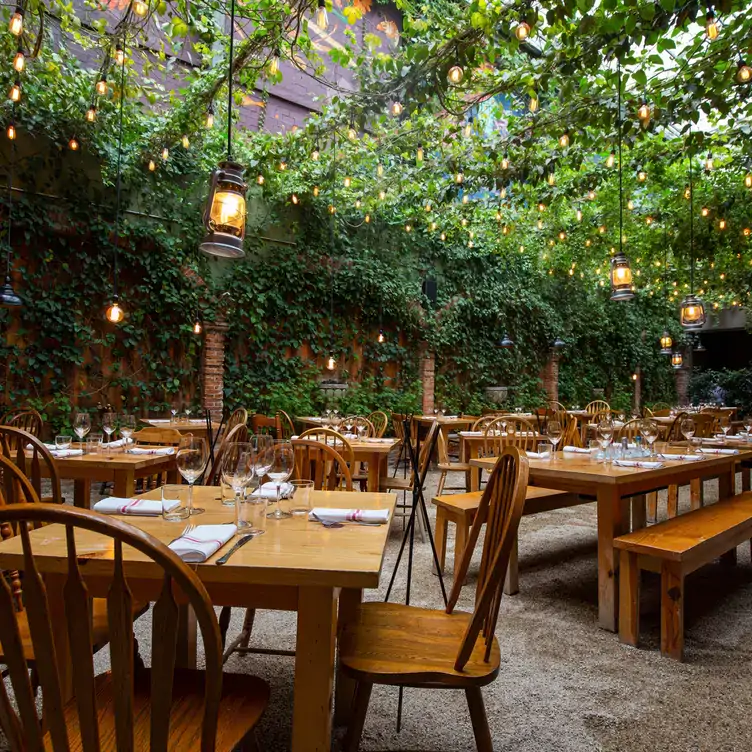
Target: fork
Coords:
[(188, 528)]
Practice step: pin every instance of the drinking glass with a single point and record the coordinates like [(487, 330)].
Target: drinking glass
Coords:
[(262, 446), (688, 431), (108, 424), (127, 427), (171, 494), (725, 425), (237, 471), (605, 433), (62, 442), (173, 414), (594, 446), (81, 425), (554, 431), (649, 431), (301, 499), (191, 461), (283, 464), (748, 426)]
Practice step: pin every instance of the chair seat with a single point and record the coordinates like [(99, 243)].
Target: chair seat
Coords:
[(390, 643), (100, 634), (244, 699), (397, 484), (450, 467)]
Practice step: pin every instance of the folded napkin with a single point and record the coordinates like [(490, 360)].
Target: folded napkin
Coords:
[(711, 450), (140, 507), (471, 433), (202, 542), (113, 444), (538, 455), (637, 463), (576, 450), (152, 450), (269, 491), (59, 454), (350, 436), (684, 457), (349, 515)]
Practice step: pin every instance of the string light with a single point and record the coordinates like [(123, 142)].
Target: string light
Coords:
[(704, 211), (611, 160), (397, 109), (294, 198), (91, 113), (433, 226), (564, 140), (15, 91), (522, 32), (209, 122), (357, 203), (711, 25), (185, 141), (15, 26), (459, 177), (455, 74), (630, 204), (11, 131), (260, 180), (588, 243), (643, 112), (642, 176), (540, 224), (562, 235), (152, 165), (533, 104), (322, 17), (73, 144), (743, 72), (722, 224), (367, 218), (119, 55), (463, 221), (551, 179), (465, 199), (115, 313), (197, 327), (505, 230), (380, 170), (709, 162), (101, 86), (282, 164), (541, 207), (274, 63), (165, 153), (19, 61), (419, 154), (602, 229), (505, 162), (748, 180), (591, 195), (140, 7), (316, 190)]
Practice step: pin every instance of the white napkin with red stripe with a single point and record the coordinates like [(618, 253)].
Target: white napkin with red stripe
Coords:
[(137, 507), (683, 457), (202, 542), (638, 463), (152, 450), (349, 515), (576, 450), (710, 450)]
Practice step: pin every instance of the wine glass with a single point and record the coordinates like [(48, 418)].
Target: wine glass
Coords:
[(237, 471), (173, 414), (725, 425), (262, 446), (108, 425), (649, 431), (283, 464), (554, 431), (688, 431), (127, 427), (748, 426), (191, 460), (82, 425), (605, 433)]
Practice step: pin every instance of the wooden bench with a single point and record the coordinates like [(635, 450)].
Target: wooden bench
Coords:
[(461, 508), (675, 548)]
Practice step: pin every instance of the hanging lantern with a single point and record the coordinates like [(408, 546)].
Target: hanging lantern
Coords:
[(381, 338), (367, 218), (704, 211), (209, 122), (274, 62), (579, 215), (743, 73), (643, 112), (533, 104), (455, 74), (197, 327), (15, 91), (748, 180), (331, 363), (101, 86), (185, 141), (294, 198), (347, 181), (8, 296), (602, 229), (315, 154), (667, 343), (459, 177), (397, 108), (225, 214), (709, 162), (677, 359), (558, 344), (152, 165), (722, 224), (11, 131), (316, 191), (630, 204), (522, 32), (73, 144), (692, 313), (505, 162), (282, 164), (551, 178), (419, 154), (91, 114), (621, 278), (357, 203), (115, 313), (564, 140), (642, 176), (506, 342), (119, 55), (15, 26)]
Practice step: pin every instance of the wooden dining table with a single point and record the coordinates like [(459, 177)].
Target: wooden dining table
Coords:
[(297, 565), (613, 487), (114, 466), (195, 426), (376, 453)]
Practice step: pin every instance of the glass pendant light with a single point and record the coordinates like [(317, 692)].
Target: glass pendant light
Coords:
[(381, 338), (621, 271), (748, 180), (15, 92), (140, 7), (225, 215), (10, 131), (209, 121), (15, 26), (274, 63), (564, 140), (455, 74), (19, 61), (397, 108), (667, 343), (522, 31), (186, 142), (101, 86), (119, 55), (322, 17), (643, 112), (152, 165), (611, 159), (91, 113), (533, 104), (692, 312), (197, 326), (506, 342)]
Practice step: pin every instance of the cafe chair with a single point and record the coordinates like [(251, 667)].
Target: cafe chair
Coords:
[(28, 420), (597, 406), (446, 465), (322, 464), (237, 434), (161, 708), (155, 436), (35, 462), (379, 420), (408, 646), (268, 425), (287, 425)]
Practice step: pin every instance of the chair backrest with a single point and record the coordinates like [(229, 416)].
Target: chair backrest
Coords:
[(23, 727), (508, 430), (629, 430), (707, 424), (379, 420), (596, 418), (597, 406), (237, 417), (13, 444), (571, 435), (660, 406), (266, 424), (359, 422), (442, 448), (674, 432), (425, 448), (500, 509), (333, 439), (398, 423), (28, 420), (322, 464), (286, 423), (155, 435), (665, 413), (238, 433), (556, 406), (483, 421)]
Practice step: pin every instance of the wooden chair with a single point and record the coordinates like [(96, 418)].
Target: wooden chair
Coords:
[(322, 464), (238, 433), (379, 420), (519, 433), (481, 423), (238, 417), (359, 423), (125, 709), (446, 465), (264, 424), (630, 430), (13, 443), (571, 435), (287, 424), (398, 424), (332, 439), (660, 406), (28, 420), (385, 643), (597, 406), (155, 436)]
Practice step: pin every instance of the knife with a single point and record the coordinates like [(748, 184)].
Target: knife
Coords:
[(239, 544)]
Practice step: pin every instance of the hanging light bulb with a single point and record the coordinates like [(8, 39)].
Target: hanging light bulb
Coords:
[(322, 17), (648, 220), (442, 236), (282, 164), (459, 177), (505, 162), (591, 195), (15, 91), (165, 153), (677, 360), (467, 129), (274, 62), (533, 104), (465, 199), (73, 144), (408, 227), (185, 141), (140, 7), (687, 193), (332, 209), (294, 198), (15, 26), (579, 215), (602, 229), (152, 165), (381, 338), (722, 224), (711, 25), (562, 235), (197, 327), (382, 194), (642, 176), (463, 221), (91, 113), (748, 180), (119, 55), (316, 190), (666, 343), (621, 278), (551, 179), (611, 160), (692, 312), (541, 207), (743, 72), (260, 179), (630, 204), (455, 74), (367, 218), (564, 140), (705, 211), (209, 122), (101, 86), (19, 61), (503, 193), (10, 131), (433, 226), (709, 162), (419, 154), (380, 170), (522, 30), (540, 224), (331, 363), (115, 313), (397, 108), (643, 112)]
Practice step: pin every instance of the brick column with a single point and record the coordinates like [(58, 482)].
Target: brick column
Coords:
[(549, 375), (213, 367), (428, 381)]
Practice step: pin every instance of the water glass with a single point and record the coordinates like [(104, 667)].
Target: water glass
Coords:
[(170, 495), (93, 444), (554, 431), (546, 446), (62, 442), (595, 450), (251, 513), (301, 502), (282, 467)]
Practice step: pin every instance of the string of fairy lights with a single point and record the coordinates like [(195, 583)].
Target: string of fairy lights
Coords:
[(226, 208)]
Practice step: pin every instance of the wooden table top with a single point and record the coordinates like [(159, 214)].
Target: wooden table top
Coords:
[(293, 551), (444, 420), (115, 460), (580, 468), (182, 425), (369, 446)]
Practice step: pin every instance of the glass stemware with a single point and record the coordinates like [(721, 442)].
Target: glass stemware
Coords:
[(283, 464), (554, 431), (191, 461), (748, 426), (127, 427), (688, 430), (605, 433), (237, 472), (262, 446), (725, 425), (173, 414), (109, 425), (82, 425), (649, 431)]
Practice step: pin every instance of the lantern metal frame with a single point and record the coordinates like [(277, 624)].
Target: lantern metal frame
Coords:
[(692, 322), (667, 343), (677, 360), (506, 342)]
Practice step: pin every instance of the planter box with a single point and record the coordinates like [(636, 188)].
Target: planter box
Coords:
[(332, 390), (497, 394)]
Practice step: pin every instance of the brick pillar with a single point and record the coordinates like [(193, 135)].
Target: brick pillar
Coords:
[(427, 381), (549, 375), (682, 386), (213, 367)]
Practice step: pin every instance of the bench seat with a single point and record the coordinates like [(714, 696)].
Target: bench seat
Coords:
[(675, 548)]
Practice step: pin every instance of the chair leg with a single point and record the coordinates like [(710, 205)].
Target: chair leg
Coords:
[(442, 525), (358, 719), (224, 623), (478, 717), (629, 598), (442, 481), (672, 612), (512, 580)]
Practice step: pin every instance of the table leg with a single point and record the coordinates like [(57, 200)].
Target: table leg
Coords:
[(473, 479), (314, 670), (610, 525), (82, 493), (639, 517), (349, 601), (727, 482), (125, 484), (374, 472), (187, 643)]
